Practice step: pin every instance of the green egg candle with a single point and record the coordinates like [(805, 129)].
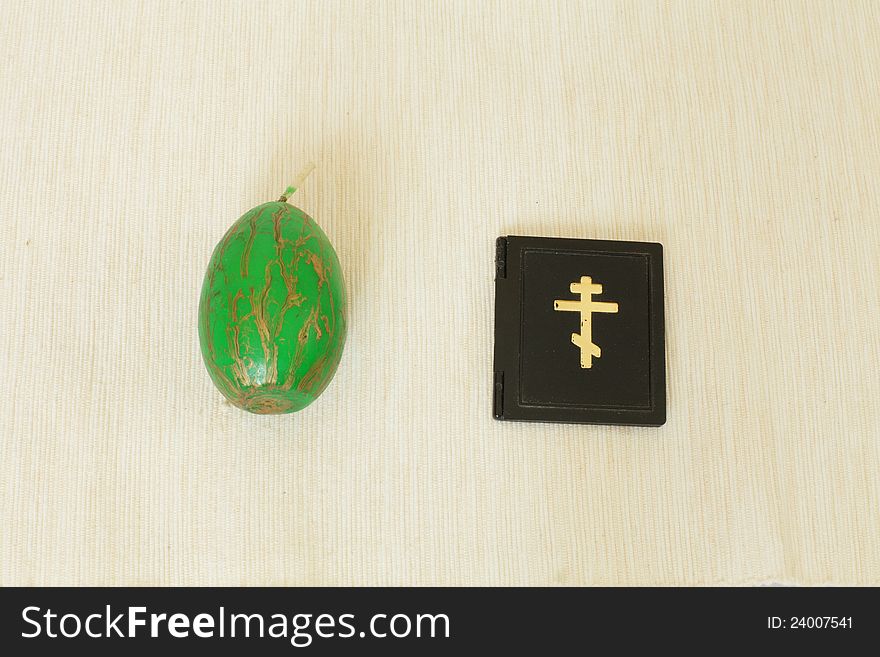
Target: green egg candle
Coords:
[(272, 320)]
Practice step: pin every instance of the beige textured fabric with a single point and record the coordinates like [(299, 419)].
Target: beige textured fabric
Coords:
[(744, 136)]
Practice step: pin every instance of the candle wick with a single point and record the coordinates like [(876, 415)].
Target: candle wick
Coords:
[(297, 182)]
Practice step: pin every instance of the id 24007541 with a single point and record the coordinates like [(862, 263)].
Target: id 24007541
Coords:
[(810, 623)]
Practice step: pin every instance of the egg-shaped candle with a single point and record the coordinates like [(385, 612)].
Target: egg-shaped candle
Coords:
[(272, 316)]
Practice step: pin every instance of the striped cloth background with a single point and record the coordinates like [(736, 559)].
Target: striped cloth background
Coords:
[(745, 136)]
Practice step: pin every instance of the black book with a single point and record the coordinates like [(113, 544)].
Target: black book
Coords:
[(579, 331)]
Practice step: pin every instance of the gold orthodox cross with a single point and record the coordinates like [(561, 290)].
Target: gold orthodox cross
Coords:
[(586, 307)]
